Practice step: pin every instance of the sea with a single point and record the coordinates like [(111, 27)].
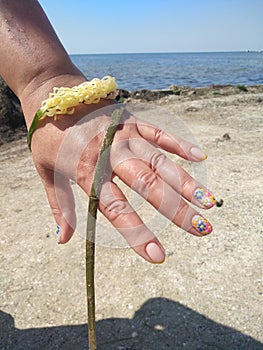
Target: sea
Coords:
[(136, 71)]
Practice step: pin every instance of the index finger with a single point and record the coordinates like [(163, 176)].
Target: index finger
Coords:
[(170, 143)]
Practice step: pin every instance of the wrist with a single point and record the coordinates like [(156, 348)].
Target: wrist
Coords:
[(39, 88), (71, 98)]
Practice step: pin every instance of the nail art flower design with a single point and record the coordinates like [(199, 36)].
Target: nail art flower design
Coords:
[(202, 225), (205, 197), (58, 230), (58, 233)]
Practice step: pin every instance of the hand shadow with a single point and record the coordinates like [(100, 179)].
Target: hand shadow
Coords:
[(159, 324)]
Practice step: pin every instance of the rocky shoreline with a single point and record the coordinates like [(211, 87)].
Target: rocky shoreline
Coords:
[(12, 124), (187, 91)]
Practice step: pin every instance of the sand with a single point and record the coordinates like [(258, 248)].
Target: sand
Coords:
[(207, 294)]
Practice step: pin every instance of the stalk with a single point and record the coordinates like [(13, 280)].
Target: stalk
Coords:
[(91, 223)]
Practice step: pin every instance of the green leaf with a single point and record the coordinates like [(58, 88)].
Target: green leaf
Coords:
[(39, 114)]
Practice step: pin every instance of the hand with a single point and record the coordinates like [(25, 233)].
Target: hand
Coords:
[(135, 159), (43, 63)]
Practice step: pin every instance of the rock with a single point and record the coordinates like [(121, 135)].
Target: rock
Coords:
[(174, 87), (226, 137), (219, 86), (191, 109), (150, 95), (123, 94), (219, 203), (12, 124)]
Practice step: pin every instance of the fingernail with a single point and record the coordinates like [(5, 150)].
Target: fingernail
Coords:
[(198, 153), (205, 197), (58, 233), (201, 225), (155, 253)]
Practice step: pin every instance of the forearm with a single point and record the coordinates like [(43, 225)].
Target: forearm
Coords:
[(31, 55)]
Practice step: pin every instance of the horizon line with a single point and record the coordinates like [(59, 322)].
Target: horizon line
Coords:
[(160, 52)]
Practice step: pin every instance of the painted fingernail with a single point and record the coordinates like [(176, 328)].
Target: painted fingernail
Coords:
[(205, 197), (58, 233), (155, 253), (202, 225), (198, 153)]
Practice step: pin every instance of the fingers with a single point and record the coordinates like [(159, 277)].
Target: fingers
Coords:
[(145, 181), (115, 207), (61, 201), (172, 174), (170, 143)]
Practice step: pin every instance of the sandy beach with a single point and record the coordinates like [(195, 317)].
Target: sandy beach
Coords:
[(208, 292)]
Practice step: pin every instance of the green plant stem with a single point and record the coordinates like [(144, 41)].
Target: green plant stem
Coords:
[(91, 222), (39, 114)]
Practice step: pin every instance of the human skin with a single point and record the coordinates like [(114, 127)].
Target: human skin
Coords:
[(32, 62)]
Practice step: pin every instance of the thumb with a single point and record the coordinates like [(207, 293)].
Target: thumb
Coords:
[(61, 201)]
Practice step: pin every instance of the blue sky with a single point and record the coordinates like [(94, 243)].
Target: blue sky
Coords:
[(111, 26)]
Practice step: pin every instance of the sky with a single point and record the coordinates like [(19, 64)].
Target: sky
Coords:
[(112, 26)]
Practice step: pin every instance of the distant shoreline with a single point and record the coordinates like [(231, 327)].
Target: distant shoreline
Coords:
[(176, 94), (166, 52), (180, 92)]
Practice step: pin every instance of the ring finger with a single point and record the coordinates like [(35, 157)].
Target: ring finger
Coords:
[(146, 181)]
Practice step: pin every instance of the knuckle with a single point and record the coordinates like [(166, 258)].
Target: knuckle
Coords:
[(84, 174), (56, 211), (115, 208), (146, 180), (158, 133), (182, 211), (157, 160), (186, 184)]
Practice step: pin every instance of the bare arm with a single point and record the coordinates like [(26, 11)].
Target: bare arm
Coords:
[(32, 59)]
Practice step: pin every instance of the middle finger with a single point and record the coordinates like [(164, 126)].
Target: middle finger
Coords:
[(173, 174), (144, 180)]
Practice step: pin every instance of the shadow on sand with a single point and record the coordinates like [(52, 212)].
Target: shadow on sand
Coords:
[(159, 324)]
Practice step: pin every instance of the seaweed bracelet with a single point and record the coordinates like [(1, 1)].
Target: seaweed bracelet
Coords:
[(63, 100)]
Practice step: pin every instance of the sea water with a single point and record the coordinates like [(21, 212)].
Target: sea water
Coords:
[(135, 71)]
